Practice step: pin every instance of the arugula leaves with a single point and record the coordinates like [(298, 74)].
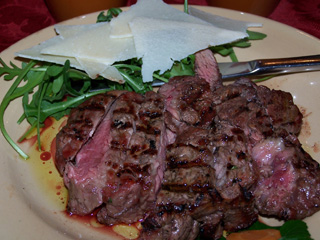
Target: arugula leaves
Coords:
[(111, 13), (290, 230), (227, 49), (52, 91), (295, 230), (13, 93)]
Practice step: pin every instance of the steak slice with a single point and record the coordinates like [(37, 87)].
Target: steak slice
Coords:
[(120, 167), (86, 176), (200, 183), (281, 109), (173, 226), (138, 146), (80, 127), (206, 67), (189, 99), (289, 184)]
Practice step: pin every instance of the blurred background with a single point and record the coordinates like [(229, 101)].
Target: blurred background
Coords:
[(20, 18)]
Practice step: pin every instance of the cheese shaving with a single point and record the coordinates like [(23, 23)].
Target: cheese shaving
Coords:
[(66, 31), (154, 9), (173, 41), (94, 44), (222, 22), (35, 53)]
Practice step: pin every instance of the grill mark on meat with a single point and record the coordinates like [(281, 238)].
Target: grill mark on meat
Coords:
[(119, 124), (134, 172), (241, 155), (150, 114), (183, 187), (191, 202), (136, 150), (196, 179), (148, 129), (184, 163), (198, 157), (121, 145)]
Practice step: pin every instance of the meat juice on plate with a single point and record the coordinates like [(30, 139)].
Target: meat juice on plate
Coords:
[(42, 163), (51, 183)]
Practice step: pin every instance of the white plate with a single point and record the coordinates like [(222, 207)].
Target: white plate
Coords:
[(27, 206)]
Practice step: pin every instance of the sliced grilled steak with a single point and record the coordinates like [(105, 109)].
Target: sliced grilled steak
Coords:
[(270, 121), (196, 158)]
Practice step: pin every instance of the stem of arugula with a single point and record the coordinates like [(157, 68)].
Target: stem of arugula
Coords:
[(43, 88), (186, 10), (4, 104)]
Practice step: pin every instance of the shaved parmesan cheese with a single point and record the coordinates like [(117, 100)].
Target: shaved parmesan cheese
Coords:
[(173, 41), (35, 53), (150, 9), (66, 31), (92, 68), (222, 22), (94, 44), (95, 68), (113, 74)]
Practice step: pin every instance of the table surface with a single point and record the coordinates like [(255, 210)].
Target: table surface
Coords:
[(20, 18)]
